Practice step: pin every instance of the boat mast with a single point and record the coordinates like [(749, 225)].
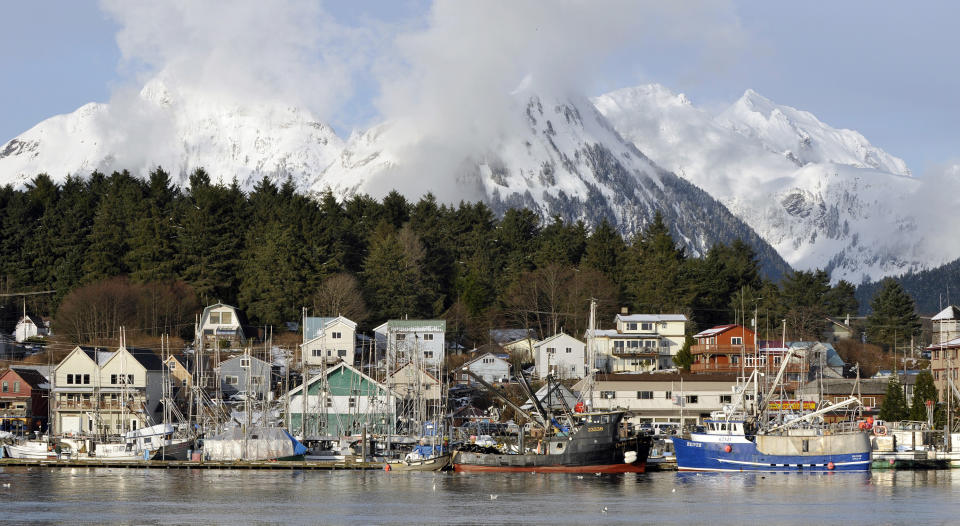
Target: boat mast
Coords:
[(591, 349)]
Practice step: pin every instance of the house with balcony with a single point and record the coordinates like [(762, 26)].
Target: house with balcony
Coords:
[(640, 342), (328, 341), (223, 325), (23, 401), (101, 392), (561, 356), (417, 341), (723, 349), (945, 342)]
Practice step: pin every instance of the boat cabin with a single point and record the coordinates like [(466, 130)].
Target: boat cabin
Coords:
[(724, 427)]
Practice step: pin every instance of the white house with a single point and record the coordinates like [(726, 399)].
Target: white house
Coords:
[(562, 356), (411, 381), (418, 341), (328, 340), (96, 391), (490, 367), (221, 323), (640, 342), (29, 326)]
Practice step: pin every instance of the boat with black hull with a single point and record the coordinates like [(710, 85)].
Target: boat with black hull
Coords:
[(599, 444)]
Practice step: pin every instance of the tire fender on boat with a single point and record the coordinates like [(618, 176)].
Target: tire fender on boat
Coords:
[(880, 431)]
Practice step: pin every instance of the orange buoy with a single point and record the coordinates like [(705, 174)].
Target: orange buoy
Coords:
[(386, 467), (830, 466), (727, 448)]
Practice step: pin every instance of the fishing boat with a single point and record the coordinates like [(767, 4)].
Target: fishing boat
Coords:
[(36, 449), (422, 458), (599, 443), (735, 441)]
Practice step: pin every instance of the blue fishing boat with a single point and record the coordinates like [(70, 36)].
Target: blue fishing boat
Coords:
[(725, 446)]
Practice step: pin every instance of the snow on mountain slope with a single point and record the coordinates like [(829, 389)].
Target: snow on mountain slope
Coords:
[(180, 132), (563, 158), (824, 198)]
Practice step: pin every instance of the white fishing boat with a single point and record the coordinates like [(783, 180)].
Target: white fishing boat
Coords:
[(36, 449)]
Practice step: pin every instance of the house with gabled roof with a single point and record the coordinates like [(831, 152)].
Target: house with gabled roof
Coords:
[(23, 400), (30, 326), (561, 356), (639, 342), (101, 392), (328, 340), (491, 367), (341, 401), (945, 347)]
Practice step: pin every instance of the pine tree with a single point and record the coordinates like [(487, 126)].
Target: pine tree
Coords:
[(684, 358), (893, 320), (894, 407), (605, 250), (656, 273), (923, 390), (841, 299)]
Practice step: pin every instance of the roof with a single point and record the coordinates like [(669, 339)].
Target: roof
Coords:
[(847, 386), (31, 376), (314, 326), (949, 313), (31, 319), (147, 358), (713, 331), (502, 336), (667, 376), (612, 333), (552, 398), (422, 325), (484, 355), (554, 337), (949, 343), (99, 355), (654, 318)]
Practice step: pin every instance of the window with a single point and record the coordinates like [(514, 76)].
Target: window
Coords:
[(226, 318), (184, 382), (668, 395), (869, 401), (86, 379), (488, 360), (329, 402), (16, 387), (663, 325), (726, 399), (215, 318), (646, 326), (736, 340), (649, 344), (244, 362), (693, 399), (256, 380), (569, 350), (336, 335), (551, 350), (428, 337), (342, 353), (644, 395), (401, 336), (631, 326), (734, 359), (6, 387), (329, 353), (113, 379), (428, 354), (172, 366), (608, 394), (353, 401), (69, 379), (317, 353), (230, 380), (664, 343)]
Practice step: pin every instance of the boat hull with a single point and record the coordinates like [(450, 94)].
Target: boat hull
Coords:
[(174, 451), (604, 458), (438, 463), (639, 467), (696, 455)]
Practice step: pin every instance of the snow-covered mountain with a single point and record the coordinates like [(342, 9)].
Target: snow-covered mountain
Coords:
[(563, 158), (822, 197), (180, 131)]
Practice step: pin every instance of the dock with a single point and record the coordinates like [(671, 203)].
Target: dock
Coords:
[(348, 464)]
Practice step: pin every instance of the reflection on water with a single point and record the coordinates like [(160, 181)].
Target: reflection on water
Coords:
[(102, 495)]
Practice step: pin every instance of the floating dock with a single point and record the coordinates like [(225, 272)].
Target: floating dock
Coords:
[(350, 464)]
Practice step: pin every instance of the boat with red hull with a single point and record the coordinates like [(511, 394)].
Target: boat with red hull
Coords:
[(599, 443)]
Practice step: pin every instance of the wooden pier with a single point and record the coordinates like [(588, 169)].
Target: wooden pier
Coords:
[(350, 464)]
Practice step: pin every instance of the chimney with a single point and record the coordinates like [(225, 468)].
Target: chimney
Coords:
[(624, 310)]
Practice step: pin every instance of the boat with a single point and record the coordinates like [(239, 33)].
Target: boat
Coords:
[(422, 458), (36, 449), (258, 443), (735, 441), (598, 444)]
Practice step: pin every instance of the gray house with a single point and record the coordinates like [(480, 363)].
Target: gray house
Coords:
[(245, 374)]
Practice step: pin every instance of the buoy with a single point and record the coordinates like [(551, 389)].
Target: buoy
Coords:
[(830, 466), (880, 431), (386, 467), (727, 448)]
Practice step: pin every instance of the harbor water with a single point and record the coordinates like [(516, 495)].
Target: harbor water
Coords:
[(34, 495)]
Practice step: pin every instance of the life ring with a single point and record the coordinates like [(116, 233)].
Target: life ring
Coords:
[(880, 431)]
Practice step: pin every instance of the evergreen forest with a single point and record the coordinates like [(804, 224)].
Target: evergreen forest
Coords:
[(117, 249)]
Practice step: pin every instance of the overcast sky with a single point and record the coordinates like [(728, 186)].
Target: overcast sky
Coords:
[(887, 69)]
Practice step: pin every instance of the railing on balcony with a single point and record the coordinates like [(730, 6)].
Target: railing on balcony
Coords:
[(722, 349), (650, 352), (8, 412)]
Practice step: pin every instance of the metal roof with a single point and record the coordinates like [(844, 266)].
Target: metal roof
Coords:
[(655, 318)]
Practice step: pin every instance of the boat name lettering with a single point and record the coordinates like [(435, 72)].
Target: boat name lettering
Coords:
[(594, 429), (694, 444)]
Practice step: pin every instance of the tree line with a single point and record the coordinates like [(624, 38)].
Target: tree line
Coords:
[(272, 251)]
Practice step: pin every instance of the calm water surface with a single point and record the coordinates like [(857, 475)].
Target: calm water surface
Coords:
[(152, 496)]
